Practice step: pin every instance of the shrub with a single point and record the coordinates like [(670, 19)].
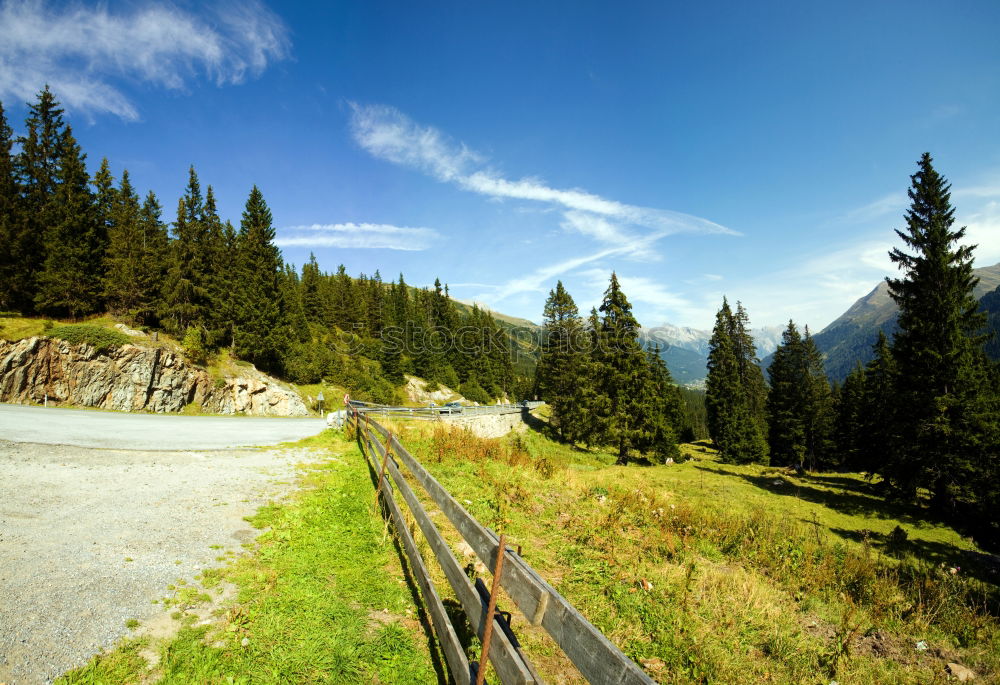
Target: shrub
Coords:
[(101, 339), (472, 391), (194, 345)]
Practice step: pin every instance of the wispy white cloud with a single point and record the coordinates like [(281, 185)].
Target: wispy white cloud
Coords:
[(600, 229), (80, 50), (540, 279), (350, 235), (980, 191), (388, 134), (619, 228), (893, 203)]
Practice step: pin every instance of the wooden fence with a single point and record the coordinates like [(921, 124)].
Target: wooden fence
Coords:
[(597, 659)]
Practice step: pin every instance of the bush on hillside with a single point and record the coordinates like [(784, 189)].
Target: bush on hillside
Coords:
[(472, 391), (194, 345), (101, 339)]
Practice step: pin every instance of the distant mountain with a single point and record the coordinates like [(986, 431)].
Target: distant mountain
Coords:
[(685, 350), (850, 337)]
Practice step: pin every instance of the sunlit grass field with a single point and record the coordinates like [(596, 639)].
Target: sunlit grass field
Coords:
[(708, 572)]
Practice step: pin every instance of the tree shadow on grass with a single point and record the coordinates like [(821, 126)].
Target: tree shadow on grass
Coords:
[(548, 430), (843, 483), (852, 502), (983, 567)]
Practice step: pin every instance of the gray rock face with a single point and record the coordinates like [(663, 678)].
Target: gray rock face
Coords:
[(132, 378)]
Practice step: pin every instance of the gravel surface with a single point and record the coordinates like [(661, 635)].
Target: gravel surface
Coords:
[(118, 430), (90, 537)]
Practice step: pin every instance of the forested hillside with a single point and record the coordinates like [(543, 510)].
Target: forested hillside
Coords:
[(76, 245)]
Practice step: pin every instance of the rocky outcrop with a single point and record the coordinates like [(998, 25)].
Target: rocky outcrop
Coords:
[(131, 378), (417, 391)]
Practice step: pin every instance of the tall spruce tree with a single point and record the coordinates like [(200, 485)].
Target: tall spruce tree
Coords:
[(819, 409), (36, 169), (563, 363), (664, 415), (258, 334), (8, 216), (9, 268), (219, 244), (105, 208), (125, 287), (186, 291), (786, 400), (312, 299), (942, 371), (879, 429), (623, 376), (67, 283), (155, 259), (849, 418), (735, 392)]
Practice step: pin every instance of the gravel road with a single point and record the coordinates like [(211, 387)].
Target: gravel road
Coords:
[(90, 537), (117, 430)]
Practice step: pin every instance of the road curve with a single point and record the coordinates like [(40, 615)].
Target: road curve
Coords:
[(119, 430)]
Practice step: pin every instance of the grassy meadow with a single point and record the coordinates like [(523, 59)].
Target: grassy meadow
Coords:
[(708, 572)]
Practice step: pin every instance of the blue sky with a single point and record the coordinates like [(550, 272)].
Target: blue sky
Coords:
[(756, 150)]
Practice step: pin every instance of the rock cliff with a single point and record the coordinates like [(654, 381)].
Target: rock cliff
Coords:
[(131, 378)]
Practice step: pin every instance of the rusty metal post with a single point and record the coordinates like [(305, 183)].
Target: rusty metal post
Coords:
[(490, 610)]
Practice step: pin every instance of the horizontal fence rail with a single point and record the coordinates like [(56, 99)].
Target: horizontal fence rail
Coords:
[(438, 413), (596, 657)]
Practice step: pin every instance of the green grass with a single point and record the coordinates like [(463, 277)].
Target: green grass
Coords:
[(321, 599), (17, 328), (709, 572)]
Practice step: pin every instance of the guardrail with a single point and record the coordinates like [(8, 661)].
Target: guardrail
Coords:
[(437, 413), (597, 659)]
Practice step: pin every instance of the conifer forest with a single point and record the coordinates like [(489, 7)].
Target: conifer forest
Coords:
[(922, 418)]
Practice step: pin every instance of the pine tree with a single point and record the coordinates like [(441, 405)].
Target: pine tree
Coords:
[(563, 363), (880, 428), (125, 287), (9, 268), (186, 291), (105, 208), (257, 331), (849, 419), (735, 393), (312, 300), (36, 169), (664, 415), (622, 377), (155, 259), (818, 409), (938, 347), (67, 284), (219, 245), (786, 400), (291, 306)]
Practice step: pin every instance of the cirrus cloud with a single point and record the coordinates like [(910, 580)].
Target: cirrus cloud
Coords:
[(351, 235), (79, 51)]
